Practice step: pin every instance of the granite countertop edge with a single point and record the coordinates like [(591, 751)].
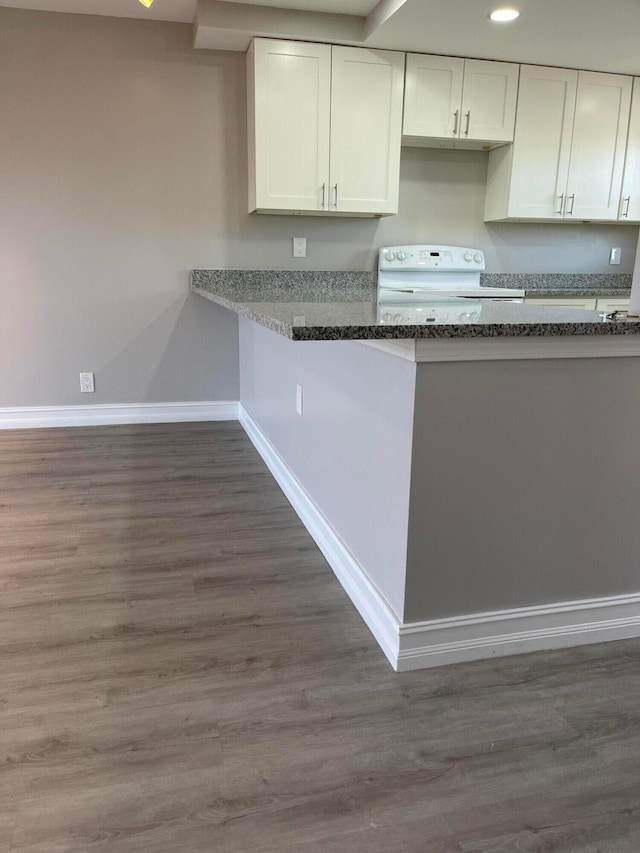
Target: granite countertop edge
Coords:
[(564, 285), (352, 284), (586, 292), (449, 331), (241, 308)]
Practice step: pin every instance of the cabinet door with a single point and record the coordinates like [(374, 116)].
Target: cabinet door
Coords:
[(598, 147), (489, 99), (611, 303), (542, 142), (433, 96), (366, 130), (630, 201), (289, 115)]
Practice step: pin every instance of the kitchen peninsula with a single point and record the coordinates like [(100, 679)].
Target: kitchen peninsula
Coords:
[(473, 484)]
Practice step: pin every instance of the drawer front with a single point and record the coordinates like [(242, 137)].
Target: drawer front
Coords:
[(588, 303)]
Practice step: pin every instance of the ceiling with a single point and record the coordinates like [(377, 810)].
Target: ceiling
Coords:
[(162, 10), (182, 10), (345, 7), (590, 34)]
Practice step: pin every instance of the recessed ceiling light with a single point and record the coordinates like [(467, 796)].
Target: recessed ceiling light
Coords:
[(503, 15), (146, 3)]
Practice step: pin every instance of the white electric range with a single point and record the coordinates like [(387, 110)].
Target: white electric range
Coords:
[(429, 284)]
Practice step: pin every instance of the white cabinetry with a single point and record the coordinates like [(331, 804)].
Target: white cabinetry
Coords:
[(562, 302), (528, 179), (366, 121), (598, 147), (324, 128), (567, 158), (465, 102), (612, 303), (604, 303), (289, 87), (630, 200)]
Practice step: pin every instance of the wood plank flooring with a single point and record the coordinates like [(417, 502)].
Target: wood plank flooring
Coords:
[(181, 673)]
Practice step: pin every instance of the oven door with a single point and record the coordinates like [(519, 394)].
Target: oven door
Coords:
[(389, 295)]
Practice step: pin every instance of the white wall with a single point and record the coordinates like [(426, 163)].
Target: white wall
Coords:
[(123, 165)]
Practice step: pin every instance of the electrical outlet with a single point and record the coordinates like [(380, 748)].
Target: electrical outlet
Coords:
[(87, 385), (299, 247), (615, 254), (299, 399)]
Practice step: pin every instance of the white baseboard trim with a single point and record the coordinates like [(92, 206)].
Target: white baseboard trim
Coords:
[(34, 417), (370, 604), (437, 642), (512, 632)]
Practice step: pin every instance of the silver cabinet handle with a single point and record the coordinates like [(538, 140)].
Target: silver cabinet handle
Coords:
[(573, 201), (335, 203), (627, 201), (324, 189), (561, 197), (456, 115), (466, 130)]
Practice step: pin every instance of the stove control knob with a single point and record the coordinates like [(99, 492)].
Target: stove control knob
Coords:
[(391, 256), (468, 257), (397, 318), (477, 258), (401, 256), (386, 317)]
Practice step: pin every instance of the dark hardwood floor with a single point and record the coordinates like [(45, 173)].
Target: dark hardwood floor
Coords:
[(181, 673)]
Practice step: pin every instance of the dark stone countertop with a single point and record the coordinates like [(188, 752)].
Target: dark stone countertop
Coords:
[(563, 284), (321, 306)]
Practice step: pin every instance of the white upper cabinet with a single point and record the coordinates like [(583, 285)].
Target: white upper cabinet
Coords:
[(489, 99), (433, 96), (630, 200), (598, 148), (325, 126), (469, 102), (567, 157), (366, 120), (326, 123), (528, 180), (289, 113)]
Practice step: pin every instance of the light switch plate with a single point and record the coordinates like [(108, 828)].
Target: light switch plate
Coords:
[(615, 254)]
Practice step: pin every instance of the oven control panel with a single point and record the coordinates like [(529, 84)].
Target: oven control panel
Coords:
[(441, 258), (453, 311)]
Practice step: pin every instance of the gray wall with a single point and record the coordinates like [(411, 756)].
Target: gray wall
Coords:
[(525, 485), (123, 165), (115, 139), (351, 449)]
